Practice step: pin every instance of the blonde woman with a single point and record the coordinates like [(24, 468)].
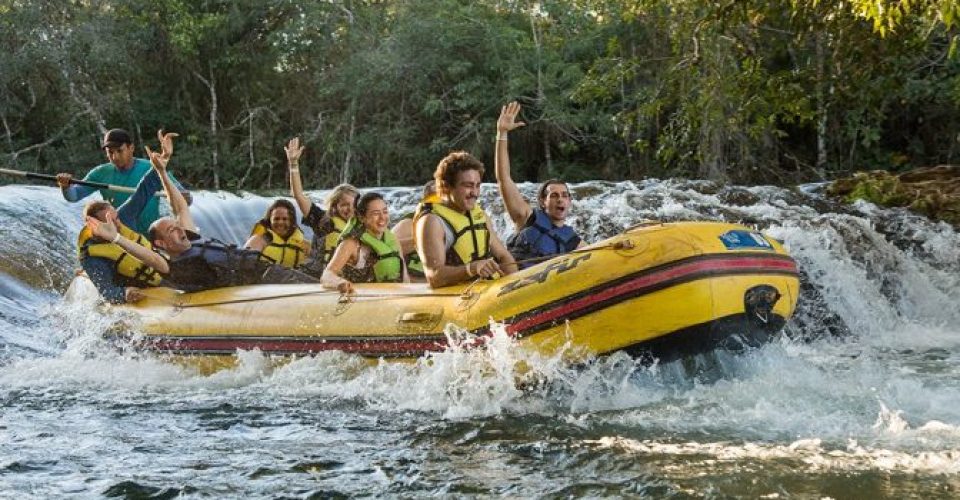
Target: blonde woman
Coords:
[(327, 224)]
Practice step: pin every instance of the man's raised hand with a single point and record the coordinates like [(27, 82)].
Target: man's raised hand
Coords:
[(508, 117), (166, 143), (157, 160), (104, 230)]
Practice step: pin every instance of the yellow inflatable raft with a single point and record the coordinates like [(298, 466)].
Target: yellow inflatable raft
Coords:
[(656, 289)]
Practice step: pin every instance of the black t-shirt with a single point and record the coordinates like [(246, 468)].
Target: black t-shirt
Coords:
[(321, 225)]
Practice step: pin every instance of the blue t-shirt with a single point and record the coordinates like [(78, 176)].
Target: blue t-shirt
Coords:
[(110, 174)]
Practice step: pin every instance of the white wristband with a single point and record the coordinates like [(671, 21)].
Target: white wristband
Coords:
[(470, 273), (116, 238)]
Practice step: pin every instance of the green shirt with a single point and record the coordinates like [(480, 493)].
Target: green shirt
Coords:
[(108, 173)]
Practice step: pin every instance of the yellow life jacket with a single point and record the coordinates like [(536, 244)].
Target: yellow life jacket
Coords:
[(288, 252), (124, 264), (332, 238), (471, 240)]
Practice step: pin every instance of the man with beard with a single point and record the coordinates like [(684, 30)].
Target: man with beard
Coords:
[(454, 237), (541, 232)]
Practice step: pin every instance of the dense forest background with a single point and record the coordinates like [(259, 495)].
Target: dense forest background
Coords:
[(746, 91)]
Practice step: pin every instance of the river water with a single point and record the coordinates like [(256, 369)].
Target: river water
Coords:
[(859, 398)]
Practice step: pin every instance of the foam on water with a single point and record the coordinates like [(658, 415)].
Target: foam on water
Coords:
[(809, 454)]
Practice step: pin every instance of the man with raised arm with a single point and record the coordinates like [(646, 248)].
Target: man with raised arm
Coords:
[(454, 237), (194, 263), (541, 232), (121, 169)]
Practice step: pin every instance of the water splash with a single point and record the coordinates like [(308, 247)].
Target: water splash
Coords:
[(866, 380)]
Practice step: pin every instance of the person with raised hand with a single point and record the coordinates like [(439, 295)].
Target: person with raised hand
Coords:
[(121, 169), (541, 232), (196, 263), (327, 225)]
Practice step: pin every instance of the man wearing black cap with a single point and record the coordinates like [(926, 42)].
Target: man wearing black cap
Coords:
[(122, 169)]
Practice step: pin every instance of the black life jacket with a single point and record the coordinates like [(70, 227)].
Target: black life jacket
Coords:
[(210, 263)]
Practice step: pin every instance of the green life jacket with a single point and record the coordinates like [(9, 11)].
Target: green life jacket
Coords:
[(388, 265)]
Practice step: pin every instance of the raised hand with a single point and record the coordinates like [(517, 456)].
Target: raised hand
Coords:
[(157, 160), (105, 230), (166, 143), (293, 149), (508, 117)]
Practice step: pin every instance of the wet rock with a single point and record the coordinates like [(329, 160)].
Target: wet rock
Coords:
[(738, 196), (591, 189), (702, 186), (933, 192)]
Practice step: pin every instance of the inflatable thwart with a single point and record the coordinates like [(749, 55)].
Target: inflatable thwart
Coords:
[(656, 290)]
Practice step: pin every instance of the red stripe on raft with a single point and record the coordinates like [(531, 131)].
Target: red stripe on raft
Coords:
[(387, 346), (758, 265)]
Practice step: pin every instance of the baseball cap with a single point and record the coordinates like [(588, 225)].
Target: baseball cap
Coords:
[(116, 137)]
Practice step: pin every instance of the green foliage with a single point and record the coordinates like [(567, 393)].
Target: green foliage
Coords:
[(746, 91)]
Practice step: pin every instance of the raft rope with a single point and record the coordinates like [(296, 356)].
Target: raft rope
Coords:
[(304, 294), (619, 245)]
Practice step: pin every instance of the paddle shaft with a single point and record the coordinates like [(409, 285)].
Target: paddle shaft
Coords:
[(47, 177)]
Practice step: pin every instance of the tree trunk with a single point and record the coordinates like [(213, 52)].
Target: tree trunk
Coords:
[(712, 131), (211, 84), (9, 135), (820, 59), (345, 171), (251, 157), (547, 167)]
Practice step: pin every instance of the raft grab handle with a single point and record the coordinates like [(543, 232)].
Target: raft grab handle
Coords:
[(419, 321)]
